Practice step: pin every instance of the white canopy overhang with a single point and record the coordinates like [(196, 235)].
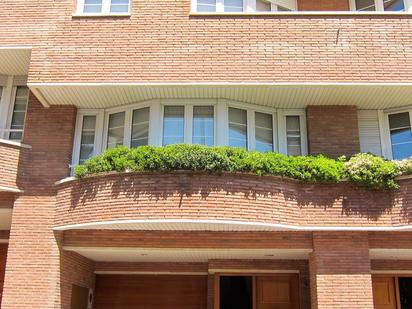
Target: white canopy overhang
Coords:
[(14, 60), (278, 95)]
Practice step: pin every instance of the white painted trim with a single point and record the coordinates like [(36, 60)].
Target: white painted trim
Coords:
[(390, 272), (65, 180), (157, 273), (305, 13), (11, 190), (148, 84), (40, 96), (21, 47), (77, 15), (105, 10), (264, 226), (254, 271), (14, 143)]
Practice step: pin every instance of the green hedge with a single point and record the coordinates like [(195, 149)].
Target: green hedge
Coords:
[(363, 169)]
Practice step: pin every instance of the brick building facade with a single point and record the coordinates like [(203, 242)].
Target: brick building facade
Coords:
[(297, 77)]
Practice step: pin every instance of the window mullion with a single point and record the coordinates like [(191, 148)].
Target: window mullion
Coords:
[(99, 135), (379, 5), (188, 121), (106, 6), (6, 106), (251, 130), (220, 5), (127, 128)]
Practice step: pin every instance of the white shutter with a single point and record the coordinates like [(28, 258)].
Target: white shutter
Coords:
[(369, 135)]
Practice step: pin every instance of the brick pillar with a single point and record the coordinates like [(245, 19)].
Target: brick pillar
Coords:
[(38, 273), (333, 130), (340, 271)]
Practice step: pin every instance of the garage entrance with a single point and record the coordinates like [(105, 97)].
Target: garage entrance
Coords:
[(150, 292)]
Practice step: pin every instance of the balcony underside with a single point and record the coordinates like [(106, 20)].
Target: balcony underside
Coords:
[(280, 95)]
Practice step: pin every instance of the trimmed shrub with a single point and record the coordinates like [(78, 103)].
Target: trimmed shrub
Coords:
[(364, 169)]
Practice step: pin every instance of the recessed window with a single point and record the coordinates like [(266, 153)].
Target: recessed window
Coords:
[(238, 127), (115, 134), (19, 113), (394, 5), (263, 6), (379, 5), (87, 138), (401, 135), (206, 5), (365, 5), (263, 132), (173, 125), (140, 127), (103, 6), (203, 125), (195, 122), (293, 134), (233, 5)]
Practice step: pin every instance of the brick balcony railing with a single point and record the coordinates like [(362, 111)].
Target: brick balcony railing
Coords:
[(253, 202), (12, 155)]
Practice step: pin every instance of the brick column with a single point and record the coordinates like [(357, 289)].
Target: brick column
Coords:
[(333, 130), (39, 274), (340, 271)]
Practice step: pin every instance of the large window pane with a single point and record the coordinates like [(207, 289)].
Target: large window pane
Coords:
[(173, 125), (92, 6), (293, 135), (365, 5), (394, 5), (263, 6), (233, 5), (264, 132), (19, 114), (237, 127), (140, 127), (87, 139), (119, 6), (206, 5), (401, 135), (203, 125), (116, 130)]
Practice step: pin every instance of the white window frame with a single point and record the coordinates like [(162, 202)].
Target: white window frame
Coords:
[(283, 138), (249, 6), (188, 117), (379, 5), (127, 134), (98, 142), (221, 123), (8, 98), (385, 131), (105, 9)]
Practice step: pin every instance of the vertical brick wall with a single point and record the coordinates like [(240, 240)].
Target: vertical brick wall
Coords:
[(333, 130), (340, 271), (32, 277), (3, 259), (6, 200), (74, 269), (323, 5)]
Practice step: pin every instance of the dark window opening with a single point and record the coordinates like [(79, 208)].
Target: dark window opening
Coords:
[(236, 292), (405, 291)]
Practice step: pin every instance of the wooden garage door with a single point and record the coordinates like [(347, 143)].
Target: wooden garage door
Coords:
[(150, 292)]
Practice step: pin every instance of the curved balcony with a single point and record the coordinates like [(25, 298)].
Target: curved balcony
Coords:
[(11, 157), (226, 202)]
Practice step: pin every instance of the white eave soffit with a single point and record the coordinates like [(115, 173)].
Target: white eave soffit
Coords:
[(278, 95)]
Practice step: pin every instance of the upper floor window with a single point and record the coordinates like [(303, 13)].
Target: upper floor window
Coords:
[(99, 7), (13, 106), (191, 122), (401, 134), (379, 5), (236, 6)]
